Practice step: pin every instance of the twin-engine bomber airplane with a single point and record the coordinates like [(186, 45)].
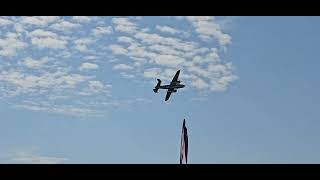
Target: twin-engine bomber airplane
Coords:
[(175, 84)]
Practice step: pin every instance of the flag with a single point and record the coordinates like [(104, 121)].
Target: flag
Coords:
[(184, 144)]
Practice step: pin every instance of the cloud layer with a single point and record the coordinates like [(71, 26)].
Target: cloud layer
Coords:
[(51, 64), (23, 157), (156, 55)]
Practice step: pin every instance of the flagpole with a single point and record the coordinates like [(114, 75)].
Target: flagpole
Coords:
[(184, 144)]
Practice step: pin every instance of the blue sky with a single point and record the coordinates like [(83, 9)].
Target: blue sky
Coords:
[(79, 89)]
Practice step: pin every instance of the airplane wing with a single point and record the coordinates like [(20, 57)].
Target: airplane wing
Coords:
[(175, 78), (168, 94)]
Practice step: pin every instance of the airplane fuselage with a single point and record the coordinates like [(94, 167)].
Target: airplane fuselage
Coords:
[(174, 86)]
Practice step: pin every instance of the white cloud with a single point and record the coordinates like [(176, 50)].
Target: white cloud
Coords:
[(162, 49), (151, 39), (42, 33), (163, 74), (19, 28), (72, 80), (124, 25), (222, 83), (47, 39), (98, 31), (179, 17), (226, 22), (198, 70), (90, 57), (32, 63), (95, 87), (81, 47), (139, 52), (122, 67), (125, 39), (170, 48), (88, 66), (200, 84), (168, 60), (207, 28), (64, 25), (117, 49), (4, 22), (39, 20), (65, 53), (32, 158), (126, 75), (24, 83), (81, 19), (212, 56), (10, 44), (81, 44), (122, 21), (167, 29), (138, 61), (70, 110), (152, 72), (144, 30), (48, 42)]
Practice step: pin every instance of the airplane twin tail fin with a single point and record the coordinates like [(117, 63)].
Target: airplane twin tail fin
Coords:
[(157, 87)]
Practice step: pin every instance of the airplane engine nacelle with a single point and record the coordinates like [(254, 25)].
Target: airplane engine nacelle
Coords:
[(178, 82), (173, 91)]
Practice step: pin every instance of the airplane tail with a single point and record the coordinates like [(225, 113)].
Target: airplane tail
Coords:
[(155, 90), (159, 82), (157, 86)]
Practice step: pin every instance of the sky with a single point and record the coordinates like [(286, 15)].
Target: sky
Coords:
[(79, 89)]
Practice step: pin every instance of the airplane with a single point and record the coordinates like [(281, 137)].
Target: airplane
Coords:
[(175, 84)]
